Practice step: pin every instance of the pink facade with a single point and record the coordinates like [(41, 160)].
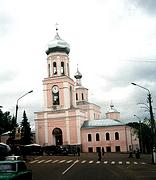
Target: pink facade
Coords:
[(111, 138), (68, 117)]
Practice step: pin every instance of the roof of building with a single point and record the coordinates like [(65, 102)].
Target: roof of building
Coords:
[(102, 123), (57, 45)]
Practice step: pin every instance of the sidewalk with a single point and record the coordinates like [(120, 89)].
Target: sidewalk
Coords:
[(147, 158)]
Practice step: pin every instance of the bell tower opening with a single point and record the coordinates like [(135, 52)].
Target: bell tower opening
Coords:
[(57, 133)]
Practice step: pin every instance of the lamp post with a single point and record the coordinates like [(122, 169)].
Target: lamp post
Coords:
[(140, 133), (17, 108), (17, 103), (152, 122)]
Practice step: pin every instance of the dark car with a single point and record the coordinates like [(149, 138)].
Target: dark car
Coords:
[(5, 150), (49, 150), (32, 149), (14, 169), (55, 150)]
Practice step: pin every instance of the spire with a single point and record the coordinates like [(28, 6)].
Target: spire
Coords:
[(57, 35)]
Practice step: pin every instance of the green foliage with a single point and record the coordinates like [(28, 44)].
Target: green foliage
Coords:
[(26, 135), (143, 131), (7, 122)]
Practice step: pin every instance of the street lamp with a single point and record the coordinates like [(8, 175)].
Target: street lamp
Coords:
[(149, 98), (17, 104), (140, 133)]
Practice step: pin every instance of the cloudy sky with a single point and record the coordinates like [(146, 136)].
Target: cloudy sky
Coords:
[(112, 41)]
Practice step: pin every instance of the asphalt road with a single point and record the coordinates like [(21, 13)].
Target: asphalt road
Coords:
[(86, 167)]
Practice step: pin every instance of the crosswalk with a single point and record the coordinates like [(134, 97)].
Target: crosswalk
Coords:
[(46, 161)]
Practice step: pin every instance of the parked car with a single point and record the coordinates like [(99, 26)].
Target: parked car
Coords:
[(14, 169), (4, 150), (55, 150), (13, 157), (49, 150), (32, 149)]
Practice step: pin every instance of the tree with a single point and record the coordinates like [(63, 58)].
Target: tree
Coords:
[(26, 135), (6, 122), (143, 132)]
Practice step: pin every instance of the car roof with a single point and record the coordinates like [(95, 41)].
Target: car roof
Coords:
[(11, 161)]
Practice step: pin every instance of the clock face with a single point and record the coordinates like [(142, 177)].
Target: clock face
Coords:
[(55, 89)]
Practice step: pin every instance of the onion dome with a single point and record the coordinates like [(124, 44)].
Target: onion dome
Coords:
[(78, 75), (58, 45)]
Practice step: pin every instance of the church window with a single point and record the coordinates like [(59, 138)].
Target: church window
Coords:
[(82, 97), (89, 137), (62, 68), (71, 97), (107, 137), (97, 137), (48, 70), (116, 136), (76, 96), (54, 68)]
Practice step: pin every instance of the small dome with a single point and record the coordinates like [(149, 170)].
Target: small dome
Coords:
[(112, 109), (78, 75), (58, 45)]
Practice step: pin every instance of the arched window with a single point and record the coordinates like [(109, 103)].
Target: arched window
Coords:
[(107, 137), (82, 97), (62, 68), (97, 137), (71, 97), (116, 136), (76, 96), (54, 68), (89, 137), (48, 70)]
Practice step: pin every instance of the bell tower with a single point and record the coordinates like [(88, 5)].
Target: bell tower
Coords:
[(58, 86)]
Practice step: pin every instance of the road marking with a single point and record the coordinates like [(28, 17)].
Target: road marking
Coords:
[(120, 162), (91, 162), (70, 166), (69, 161), (55, 161), (127, 162), (97, 162), (105, 162), (48, 161), (143, 163), (40, 161), (113, 162), (135, 162), (33, 161), (62, 161), (83, 161)]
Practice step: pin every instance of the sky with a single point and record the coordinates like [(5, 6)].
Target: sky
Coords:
[(112, 41)]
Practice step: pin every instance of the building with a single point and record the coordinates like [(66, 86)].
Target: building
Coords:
[(68, 117)]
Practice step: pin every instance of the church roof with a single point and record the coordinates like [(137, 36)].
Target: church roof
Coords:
[(102, 123), (57, 45)]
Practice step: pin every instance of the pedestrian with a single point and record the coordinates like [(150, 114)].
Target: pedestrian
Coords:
[(130, 154), (137, 154), (78, 151), (103, 151), (99, 155)]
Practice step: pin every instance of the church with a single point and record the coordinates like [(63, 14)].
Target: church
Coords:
[(68, 118)]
